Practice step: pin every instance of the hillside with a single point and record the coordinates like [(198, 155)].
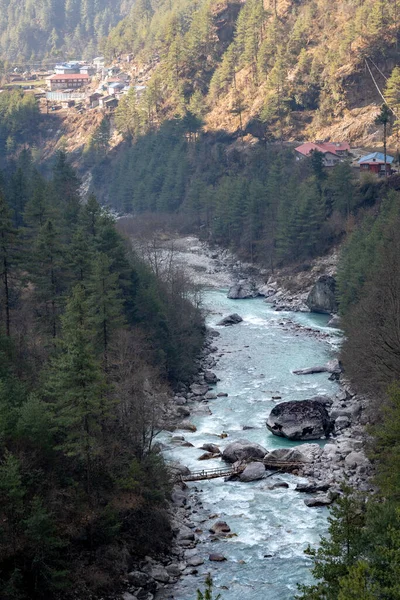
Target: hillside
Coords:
[(32, 30), (274, 68)]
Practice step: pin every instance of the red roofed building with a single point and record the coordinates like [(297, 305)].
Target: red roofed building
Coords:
[(67, 81), (333, 152)]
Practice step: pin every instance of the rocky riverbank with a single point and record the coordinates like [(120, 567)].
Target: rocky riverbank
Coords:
[(326, 467), (285, 289)]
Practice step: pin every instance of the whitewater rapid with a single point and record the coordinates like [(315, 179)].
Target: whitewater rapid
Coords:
[(265, 559)]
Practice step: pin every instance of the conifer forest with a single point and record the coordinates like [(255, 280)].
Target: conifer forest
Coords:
[(261, 139)]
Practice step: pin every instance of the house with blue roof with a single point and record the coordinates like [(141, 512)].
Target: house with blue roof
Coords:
[(375, 163)]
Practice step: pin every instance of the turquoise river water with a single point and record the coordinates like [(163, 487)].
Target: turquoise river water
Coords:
[(273, 527)]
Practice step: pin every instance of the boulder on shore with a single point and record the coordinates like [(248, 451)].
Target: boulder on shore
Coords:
[(210, 377), (239, 291), (300, 420), (334, 322), (253, 472), (242, 450), (322, 298), (232, 319)]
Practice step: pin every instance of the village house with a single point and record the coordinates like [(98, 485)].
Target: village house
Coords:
[(68, 81), (71, 68), (375, 163), (99, 63), (108, 102), (334, 152), (115, 87), (92, 101), (87, 70)]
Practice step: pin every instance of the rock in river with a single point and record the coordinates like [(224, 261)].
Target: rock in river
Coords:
[(220, 527), (332, 366), (322, 298), (242, 450), (230, 320), (253, 472), (240, 292), (300, 420), (213, 448), (217, 557)]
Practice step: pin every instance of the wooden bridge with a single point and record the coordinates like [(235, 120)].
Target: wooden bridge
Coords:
[(213, 473), (229, 471)]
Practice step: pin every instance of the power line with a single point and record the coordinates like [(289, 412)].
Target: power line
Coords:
[(379, 91), (377, 68)]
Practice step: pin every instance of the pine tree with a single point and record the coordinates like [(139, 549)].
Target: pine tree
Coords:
[(37, 209), (12, 493), (48, 269), (105, 304), (8, 258), (66, 189), (338, 553), (76, 387), (43, 551)]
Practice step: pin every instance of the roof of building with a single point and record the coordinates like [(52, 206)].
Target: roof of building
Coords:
[(116, 84), (68, 76), (324, 147), (376, 157)]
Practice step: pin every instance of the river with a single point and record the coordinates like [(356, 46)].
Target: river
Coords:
[(265, 559)]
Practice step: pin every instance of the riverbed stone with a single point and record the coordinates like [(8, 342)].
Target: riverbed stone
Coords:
[(214, 557), (253, 472), (213, 448), (187, 426), (199, 389), (332, 366), (195, 561), (334, 321), (322, 500), (159, 573), (300, 420), (177, 468), (209, 455), (210, 377), (232, 319), (240, 291), (243, 450), (356, 459), (220, 527)]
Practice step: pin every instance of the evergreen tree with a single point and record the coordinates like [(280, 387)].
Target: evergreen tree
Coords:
[(48, 268), (66, 189), (338, 553), (76, 387), (105, 304), (8, 257)]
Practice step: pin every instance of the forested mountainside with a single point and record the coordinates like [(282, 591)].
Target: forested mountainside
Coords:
[(90, 342), (31, 30), (273, 68), (359, 559)]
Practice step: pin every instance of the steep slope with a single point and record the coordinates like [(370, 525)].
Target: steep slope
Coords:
[(272, 68), (30, 30)]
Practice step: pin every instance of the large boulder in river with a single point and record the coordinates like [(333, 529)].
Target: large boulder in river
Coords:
[(253, 472), (240, 292), (300, 420), (243, 450), (322, 298), (233, 319)]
